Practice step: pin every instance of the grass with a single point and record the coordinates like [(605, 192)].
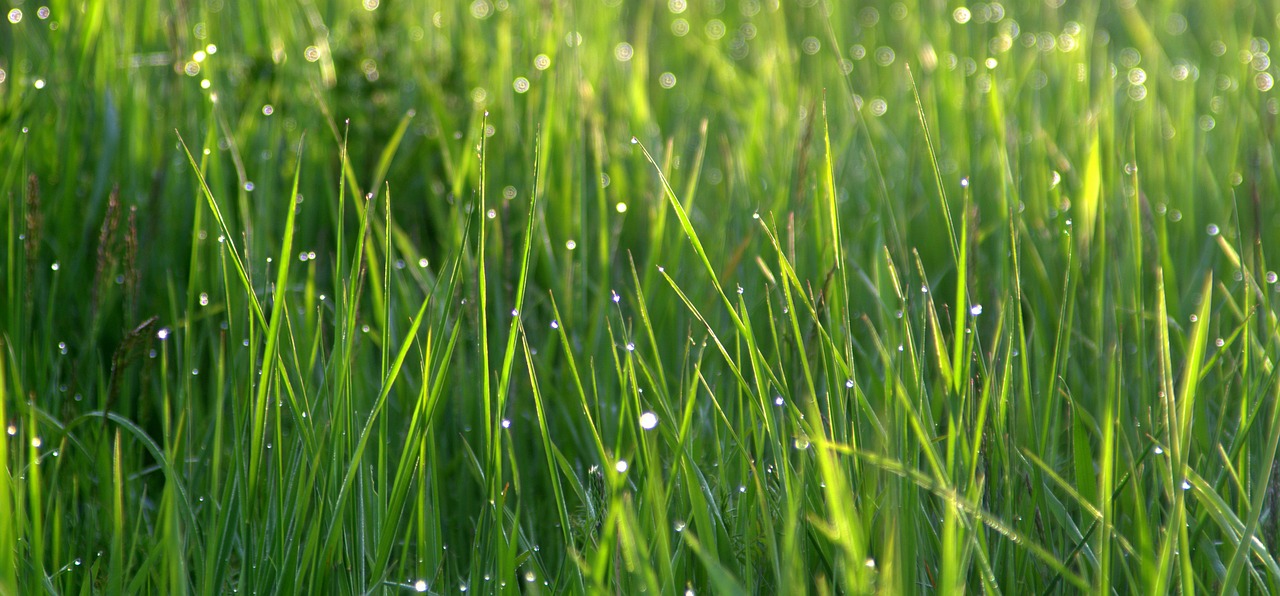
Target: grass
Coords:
[(603, 297)]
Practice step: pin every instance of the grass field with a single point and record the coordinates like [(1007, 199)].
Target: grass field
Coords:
[(665, 296)]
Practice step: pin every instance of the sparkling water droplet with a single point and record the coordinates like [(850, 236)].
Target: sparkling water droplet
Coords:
[(1212, 229), (849, 384), (1159, 450), (420, 586), (163, 334), (555, 324), (975, 310), (648, 420), (621, 466), (1186, 485), (506, 423)]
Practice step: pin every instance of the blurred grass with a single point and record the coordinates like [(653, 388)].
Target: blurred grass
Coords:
[(921, 296)]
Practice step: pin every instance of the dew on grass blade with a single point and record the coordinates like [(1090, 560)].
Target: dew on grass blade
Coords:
[(570, 244), (621, 466), (506, 423), (648, 420), (975, 310), (420, 586), (15, 16), (555, 324), (163, 333), (1212, 229)]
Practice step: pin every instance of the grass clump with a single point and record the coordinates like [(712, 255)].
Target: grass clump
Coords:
[(604, 297)]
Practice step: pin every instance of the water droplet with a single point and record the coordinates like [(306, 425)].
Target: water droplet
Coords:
[(623, 52), (529, 576), (77, 562), (420, 586), (1186, 485), (621, 466), (268, 110), (1220, 342), (555, 324), (62, 347), (570, 244), (15, 16), (667, 80), (204, 299), (634, 141), (1212, 229), (961, 15), (777, 401), (975, 310), (616, 297), (648, 420), (492, 214), (631, 347), (163, 334), (621, 207), (36, 442), (12, 430), (248, 186), (515, 312)]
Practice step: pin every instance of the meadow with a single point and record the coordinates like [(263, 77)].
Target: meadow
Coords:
[(653, 296)]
